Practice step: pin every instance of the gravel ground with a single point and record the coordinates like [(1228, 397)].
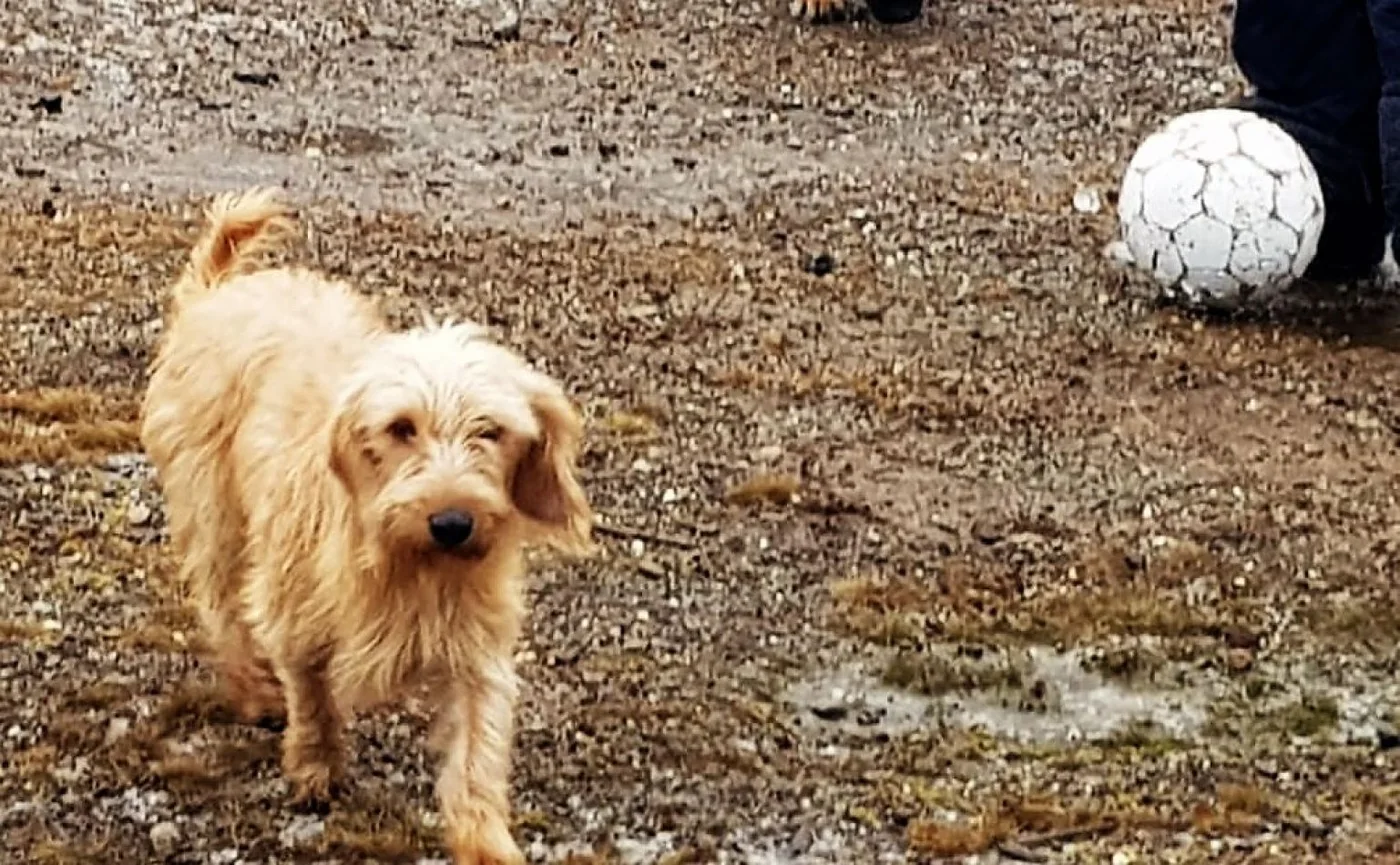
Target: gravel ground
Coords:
[(928, 536)]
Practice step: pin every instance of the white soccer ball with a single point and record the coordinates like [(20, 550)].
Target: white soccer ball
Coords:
[(1221, 207)]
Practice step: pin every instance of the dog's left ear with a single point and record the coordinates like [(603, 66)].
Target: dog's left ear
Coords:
[(545, 487)]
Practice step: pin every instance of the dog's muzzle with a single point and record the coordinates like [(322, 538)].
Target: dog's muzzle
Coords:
[(450, 529)]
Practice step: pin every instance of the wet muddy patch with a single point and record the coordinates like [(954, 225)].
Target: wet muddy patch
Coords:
[(1033, 694), (341, 140), (1130, 694)]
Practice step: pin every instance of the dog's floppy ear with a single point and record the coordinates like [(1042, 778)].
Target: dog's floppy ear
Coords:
[(545, 487), (342, 438)]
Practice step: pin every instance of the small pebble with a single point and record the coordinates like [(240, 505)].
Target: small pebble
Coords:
[(138, 514), (1087, 200), (164, 836), (301, 830), (116, 729), (507, 27)]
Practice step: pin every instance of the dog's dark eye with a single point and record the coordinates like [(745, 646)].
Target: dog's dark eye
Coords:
[(490, 434), (403, 429)]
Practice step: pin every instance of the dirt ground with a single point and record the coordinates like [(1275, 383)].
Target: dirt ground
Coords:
[(928, 535)]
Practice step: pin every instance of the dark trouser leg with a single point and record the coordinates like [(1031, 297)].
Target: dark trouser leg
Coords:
[(1385, 27), (1314, 70)]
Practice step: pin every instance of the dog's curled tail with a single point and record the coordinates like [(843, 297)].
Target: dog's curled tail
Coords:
[(240, 226)]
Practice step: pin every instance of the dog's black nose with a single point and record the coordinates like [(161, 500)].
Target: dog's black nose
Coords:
[(895, 11), (450, 528)]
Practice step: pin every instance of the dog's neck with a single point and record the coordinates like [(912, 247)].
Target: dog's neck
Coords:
[(408, 618)]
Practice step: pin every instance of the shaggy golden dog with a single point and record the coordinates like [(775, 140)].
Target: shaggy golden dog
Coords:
[(350, 504)]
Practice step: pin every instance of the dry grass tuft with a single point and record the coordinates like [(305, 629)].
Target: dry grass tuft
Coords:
[(596, 858), (946, 838), (1311, 715), (376, 828), (171, 628), (887, 611), (1358, 622), (970, 599), (154, 638), (191, 705), (237, 756), (104, 238), (100, 696), (635, 425), (54, 405), (1235, 810), (765, 489), (184, 773), (938, 674), (78, 442), (54, 852), (12, 631), (1128, 663), (52, 425), (31, 763)]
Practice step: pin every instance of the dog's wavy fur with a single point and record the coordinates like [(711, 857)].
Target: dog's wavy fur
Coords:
[(302, 446)]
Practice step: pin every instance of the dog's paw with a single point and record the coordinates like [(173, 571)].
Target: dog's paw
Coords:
[(484, 840), (316, 798), (314, 785), (254, 695), (815, 11)]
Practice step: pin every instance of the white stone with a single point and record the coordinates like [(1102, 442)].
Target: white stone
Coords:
[(1086, 200)]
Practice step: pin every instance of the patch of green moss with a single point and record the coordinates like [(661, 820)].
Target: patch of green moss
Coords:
[(1310, 716), (936, 674)]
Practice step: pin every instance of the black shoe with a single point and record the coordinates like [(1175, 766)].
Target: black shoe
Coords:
[(895, 11)]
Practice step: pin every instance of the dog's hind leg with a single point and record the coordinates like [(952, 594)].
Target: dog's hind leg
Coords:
[(311, 744), (212, 571), (249, 683)]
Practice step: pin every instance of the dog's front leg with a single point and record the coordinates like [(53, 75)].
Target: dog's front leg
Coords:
[(311, 744), (474, 787)]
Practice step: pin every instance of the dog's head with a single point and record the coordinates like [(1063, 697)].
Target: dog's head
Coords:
[(450, 445)]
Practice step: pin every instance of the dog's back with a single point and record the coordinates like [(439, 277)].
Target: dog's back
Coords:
[(230, 327), (243, 349)]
